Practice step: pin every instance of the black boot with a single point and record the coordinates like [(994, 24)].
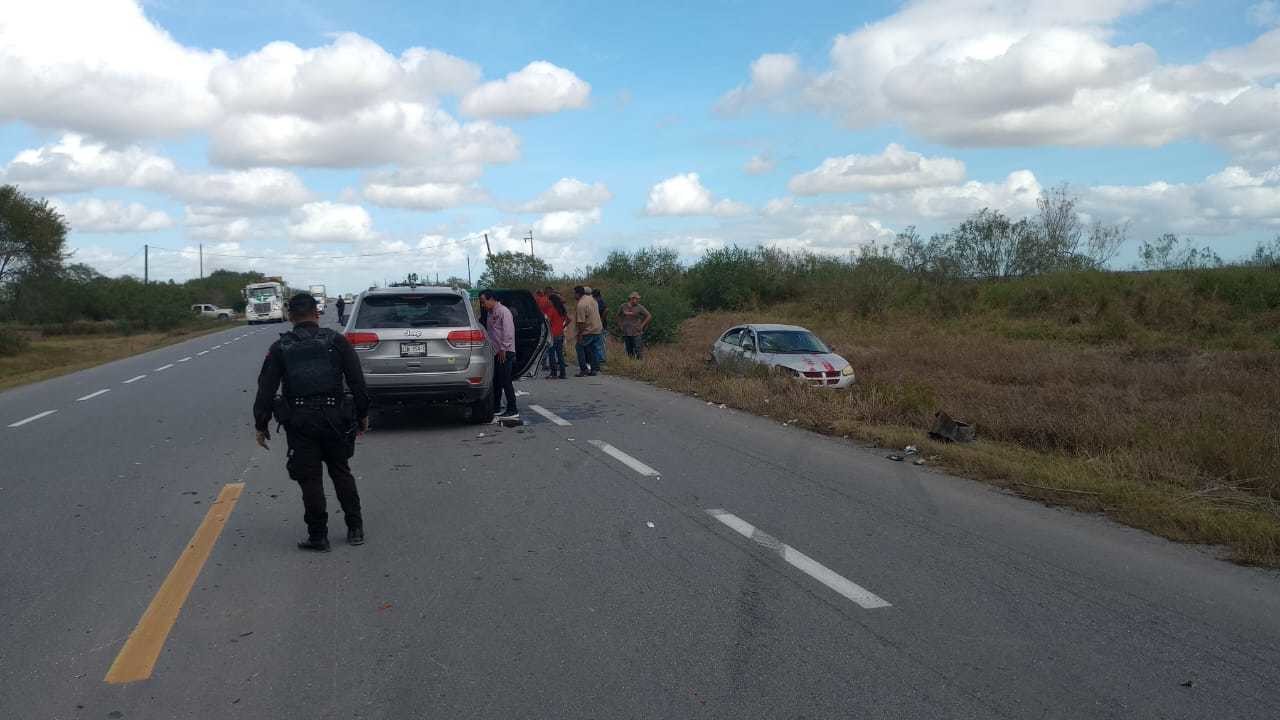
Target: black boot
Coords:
[(355, 536), (318, 542)]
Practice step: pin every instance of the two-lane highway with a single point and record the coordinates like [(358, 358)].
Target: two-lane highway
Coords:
[(626, 553)]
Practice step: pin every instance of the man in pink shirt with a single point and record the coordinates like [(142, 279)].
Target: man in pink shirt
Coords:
[(501, 331)]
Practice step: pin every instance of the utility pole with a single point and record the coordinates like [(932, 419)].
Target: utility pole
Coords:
[(146, 264), (468, 272), (488, 252), (201, 261), (529, 237)]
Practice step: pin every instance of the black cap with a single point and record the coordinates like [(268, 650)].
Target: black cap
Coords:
[(302, 303)]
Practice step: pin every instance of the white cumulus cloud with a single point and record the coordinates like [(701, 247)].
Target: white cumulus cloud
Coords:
[(894, 169), (101, 67), (569, 194), (93, 215), (328, 222), (1026, 73), (686, 195), (74, 163), (428, 196), (773, 77), (565, 224), (537, 89), (759, 165)]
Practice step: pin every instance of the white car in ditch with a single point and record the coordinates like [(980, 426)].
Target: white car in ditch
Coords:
[(786, 349)]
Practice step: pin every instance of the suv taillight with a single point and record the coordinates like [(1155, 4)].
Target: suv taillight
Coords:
[(363, 340), (464, 339)]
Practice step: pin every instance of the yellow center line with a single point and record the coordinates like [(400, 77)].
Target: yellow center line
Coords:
[(138, 656)]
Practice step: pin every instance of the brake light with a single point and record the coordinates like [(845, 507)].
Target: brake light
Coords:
[(464, 339), (363, 340)]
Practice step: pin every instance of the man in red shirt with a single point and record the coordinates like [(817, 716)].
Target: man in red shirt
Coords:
[(552, 306)]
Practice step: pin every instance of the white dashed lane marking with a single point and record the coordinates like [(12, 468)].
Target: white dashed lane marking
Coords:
[(185, 359), (625, 459), (203, 352), (33, 418), (861, 596), (92, 395), (133, 380), (163, 367), (550, 415)]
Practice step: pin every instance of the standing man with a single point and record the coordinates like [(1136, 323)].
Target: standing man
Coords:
[(589, 330), (312, 362), (604, 326), (342, 310), (501, 330), (635, 318)]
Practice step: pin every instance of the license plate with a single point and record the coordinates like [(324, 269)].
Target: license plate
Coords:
[(415, 349)]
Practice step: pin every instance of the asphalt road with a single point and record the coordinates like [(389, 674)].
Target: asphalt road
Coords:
[(630, 554)]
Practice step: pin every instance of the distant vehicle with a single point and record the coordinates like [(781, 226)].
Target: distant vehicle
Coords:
[(787, 349), (318, 292), (213, 311), (426, 345), (264, 301), (348, 298)]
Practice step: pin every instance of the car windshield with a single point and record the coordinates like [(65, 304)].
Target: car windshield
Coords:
[(405, 311), (790, 341)]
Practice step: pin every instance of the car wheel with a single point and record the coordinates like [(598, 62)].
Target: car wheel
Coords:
[(224, 316), (480, 411)]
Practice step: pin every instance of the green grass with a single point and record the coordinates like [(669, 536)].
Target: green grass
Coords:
[(51, 356)]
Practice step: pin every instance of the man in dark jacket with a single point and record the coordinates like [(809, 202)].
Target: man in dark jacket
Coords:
[(320, 428)]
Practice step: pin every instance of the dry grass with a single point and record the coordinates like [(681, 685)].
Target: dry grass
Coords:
[(1183, 443), (51, 356)]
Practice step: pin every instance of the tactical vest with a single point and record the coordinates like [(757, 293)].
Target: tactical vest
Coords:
[(310, 363)]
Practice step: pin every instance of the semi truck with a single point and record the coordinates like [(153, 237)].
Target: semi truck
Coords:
[(318, 292), (265, 301)]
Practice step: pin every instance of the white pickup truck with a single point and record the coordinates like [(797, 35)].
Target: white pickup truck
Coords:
[(213, 311)]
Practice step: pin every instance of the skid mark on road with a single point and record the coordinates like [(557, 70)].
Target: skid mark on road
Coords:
[(861, 596), (137, 659)]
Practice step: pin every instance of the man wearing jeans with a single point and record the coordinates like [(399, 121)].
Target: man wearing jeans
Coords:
[(635, 318), (501, 331), (589, 329)]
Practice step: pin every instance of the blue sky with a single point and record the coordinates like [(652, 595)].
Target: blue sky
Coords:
[(863, 118)]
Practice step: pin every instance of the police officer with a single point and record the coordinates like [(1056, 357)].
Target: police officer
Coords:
[(320, 428)]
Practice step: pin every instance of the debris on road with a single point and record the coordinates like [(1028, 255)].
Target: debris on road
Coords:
[(480, 435), (649, 523), (910, 450), (919, 461), (895, 458), (949, 430)]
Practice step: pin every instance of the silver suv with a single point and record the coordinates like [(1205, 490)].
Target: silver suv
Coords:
[(426, 345)]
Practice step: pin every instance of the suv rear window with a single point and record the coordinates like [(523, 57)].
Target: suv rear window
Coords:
[(406, 311)]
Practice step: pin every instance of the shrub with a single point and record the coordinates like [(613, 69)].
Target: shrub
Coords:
[(12, 342), (670, 308)]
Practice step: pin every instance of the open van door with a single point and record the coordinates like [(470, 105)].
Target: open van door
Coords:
[(532, 333)]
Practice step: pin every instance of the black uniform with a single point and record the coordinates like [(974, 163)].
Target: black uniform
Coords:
[(320, 427), (342, 311)]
